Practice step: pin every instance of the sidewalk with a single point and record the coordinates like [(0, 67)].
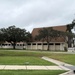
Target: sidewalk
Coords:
[(59, 63), (63, 65), (18, 67), (60, 66)]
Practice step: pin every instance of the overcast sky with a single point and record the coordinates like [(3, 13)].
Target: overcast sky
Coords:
[(31, 14)]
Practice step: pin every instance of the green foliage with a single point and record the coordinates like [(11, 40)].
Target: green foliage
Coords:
[(67, 58), (65, 49), (2, 35), (13, 35), (70, 26), (47, 34), (69, 29), (28, 37)]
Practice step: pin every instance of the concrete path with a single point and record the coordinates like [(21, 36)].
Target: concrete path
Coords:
[(18, 67), (63, 65), (60, 66), (59, 63)]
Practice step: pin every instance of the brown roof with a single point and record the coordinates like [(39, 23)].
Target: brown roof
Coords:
[(59, 28)]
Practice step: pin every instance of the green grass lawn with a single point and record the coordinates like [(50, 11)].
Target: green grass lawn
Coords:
[(20, 57), (33, 57), (23, 60), (30, 72), (68, 58)]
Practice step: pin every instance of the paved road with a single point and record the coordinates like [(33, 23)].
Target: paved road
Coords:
[(71, 67)]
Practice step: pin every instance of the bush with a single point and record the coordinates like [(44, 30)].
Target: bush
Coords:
[(65, 49)]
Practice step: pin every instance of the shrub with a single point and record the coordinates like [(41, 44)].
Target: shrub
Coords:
[(65, 49)]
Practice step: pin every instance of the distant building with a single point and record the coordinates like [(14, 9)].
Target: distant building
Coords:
[(19, 45), (55, 44)]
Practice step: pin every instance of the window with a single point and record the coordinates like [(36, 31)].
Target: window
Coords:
[(5, 44), (50, 43), (39, 43), (57, 44), (34, 43), (21, 44), (17, 44), (29, 44), (9, 44), (44, 43)]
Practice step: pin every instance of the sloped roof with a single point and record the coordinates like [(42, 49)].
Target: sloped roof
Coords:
[(59, 28)]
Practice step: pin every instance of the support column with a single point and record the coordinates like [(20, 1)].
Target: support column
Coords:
[(61, 46), (54, 47), (31, 45), (26, 46), (36, 46), (42, 45), (72, 44)]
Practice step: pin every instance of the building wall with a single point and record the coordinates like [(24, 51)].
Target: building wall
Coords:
[(44, 46), (9, 45), (37, 46), (52, 47), (17, 47)]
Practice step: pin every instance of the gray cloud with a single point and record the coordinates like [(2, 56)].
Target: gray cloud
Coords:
[(29, 14)]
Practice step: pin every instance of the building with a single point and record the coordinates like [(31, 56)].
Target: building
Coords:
[(58, 44), (19, 45)]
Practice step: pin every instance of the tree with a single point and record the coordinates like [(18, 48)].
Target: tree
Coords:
[(2, 35), (47, 34), (69, 28), (66, 36), (14, 35), (28, 37)]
